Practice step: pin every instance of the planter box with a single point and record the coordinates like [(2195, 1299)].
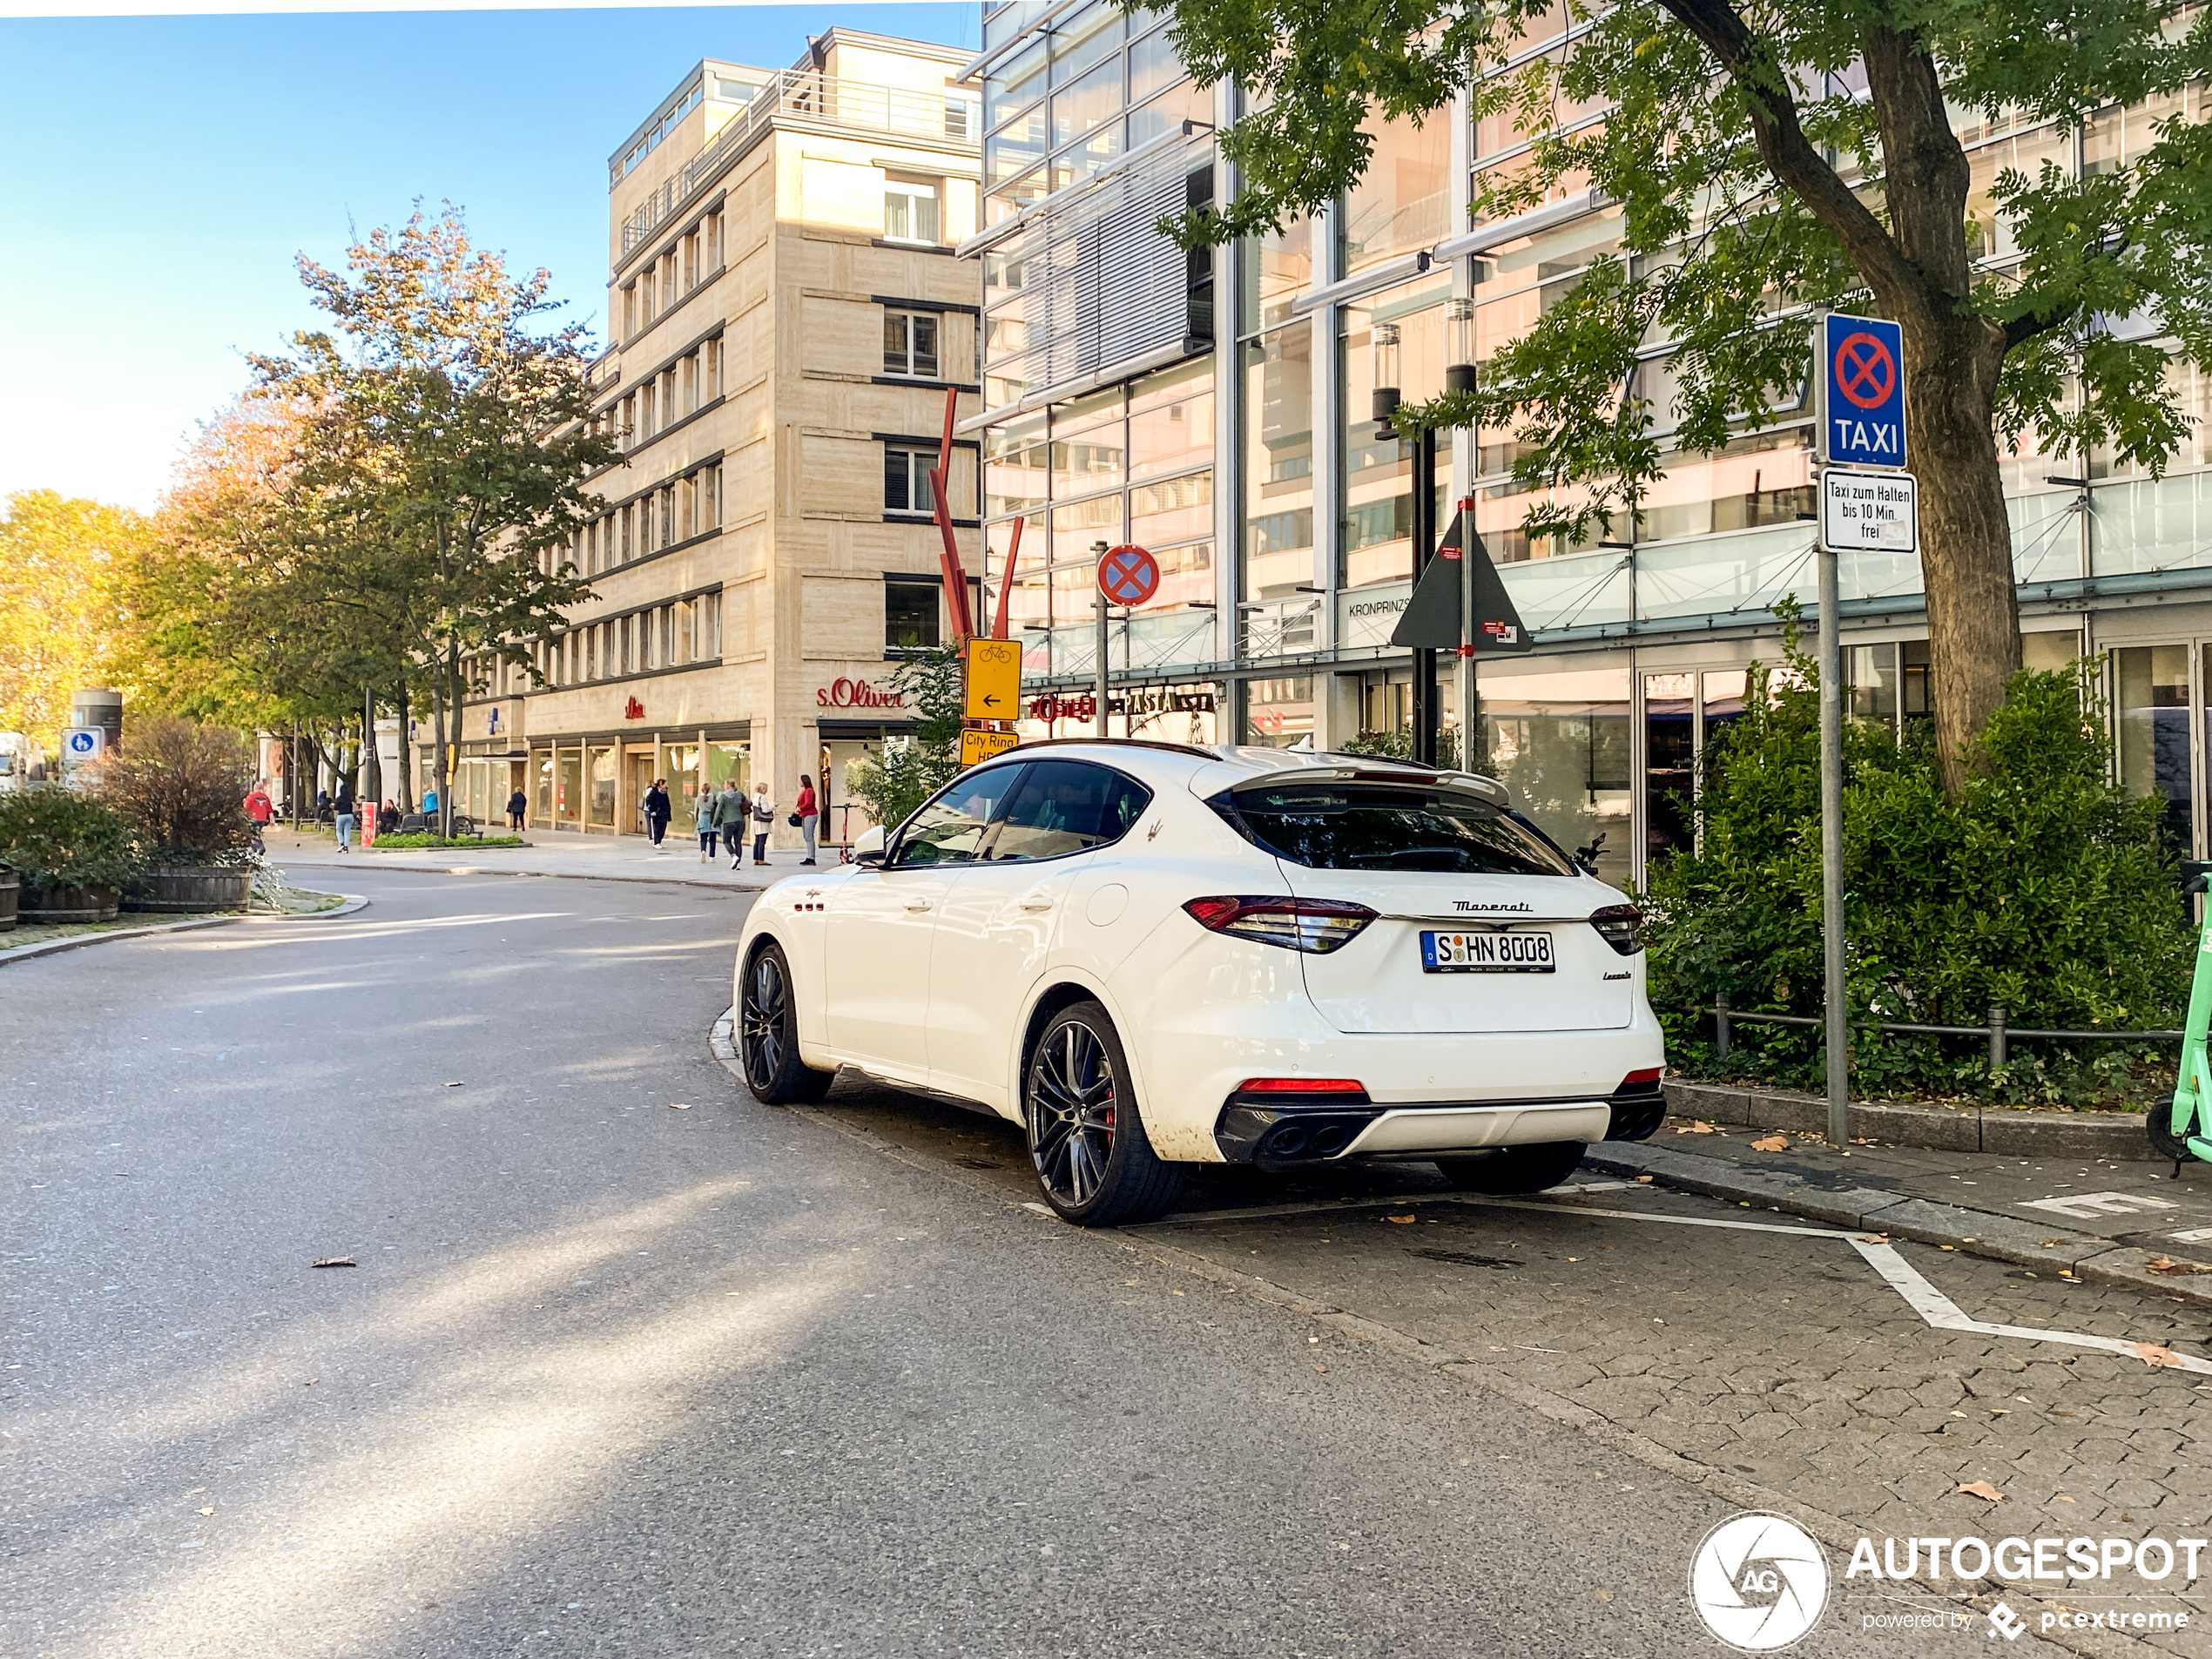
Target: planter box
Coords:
[(190, 889), (55, 905), (10, 892)]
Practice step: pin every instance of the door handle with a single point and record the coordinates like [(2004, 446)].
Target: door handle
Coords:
[(917, 904), (1036, 902)]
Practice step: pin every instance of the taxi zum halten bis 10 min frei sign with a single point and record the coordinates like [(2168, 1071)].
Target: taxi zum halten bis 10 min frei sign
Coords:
[(1868, 503)]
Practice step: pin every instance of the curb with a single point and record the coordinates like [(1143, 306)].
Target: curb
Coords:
[(24, 953), (2117, 1136), (1977, 1232), (353, 901), (550, 875)]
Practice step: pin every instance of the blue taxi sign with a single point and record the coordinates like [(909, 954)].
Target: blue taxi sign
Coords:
[(1862, 381)]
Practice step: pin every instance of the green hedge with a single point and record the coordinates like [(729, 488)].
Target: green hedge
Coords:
[(58, 837), (2044, 889)]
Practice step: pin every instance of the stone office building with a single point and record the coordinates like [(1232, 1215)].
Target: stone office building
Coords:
[(1221, 416), (787, 318)]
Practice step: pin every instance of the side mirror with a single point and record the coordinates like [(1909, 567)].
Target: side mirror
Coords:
[(867, 847)]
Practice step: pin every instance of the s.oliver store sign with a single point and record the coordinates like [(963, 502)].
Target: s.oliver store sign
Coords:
[(842, 693)]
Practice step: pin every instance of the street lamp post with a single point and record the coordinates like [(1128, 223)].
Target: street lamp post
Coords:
[(1386, 400)]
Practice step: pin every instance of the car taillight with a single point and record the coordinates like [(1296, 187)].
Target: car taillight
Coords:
[(1315, 926), (1619, 926), (1301, 1086), (1640, 1082)]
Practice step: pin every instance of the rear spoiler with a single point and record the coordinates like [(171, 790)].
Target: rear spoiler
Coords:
[(1489, 790)]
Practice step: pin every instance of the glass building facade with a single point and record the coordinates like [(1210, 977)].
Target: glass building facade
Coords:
[(1217, 412)]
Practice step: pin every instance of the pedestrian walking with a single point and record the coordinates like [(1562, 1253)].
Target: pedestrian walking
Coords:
[(730, 814), (518, 807), (656, 811), (342, 816), (764, 820), (807, 814), (702, 822), (260, 809)]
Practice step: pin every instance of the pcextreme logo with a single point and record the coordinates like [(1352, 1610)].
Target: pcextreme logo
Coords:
[(1759, 1581)]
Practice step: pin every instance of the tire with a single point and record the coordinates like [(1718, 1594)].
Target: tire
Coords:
[(767, 1022), (2158, 1124), (1515, 1168), (1087, 1140)]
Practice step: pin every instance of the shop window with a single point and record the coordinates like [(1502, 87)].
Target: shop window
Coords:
[(910, 344), (905, 480), (1561, 743), (2153, 705), (603, 787), (910, 615), (911, 212), (541, 770), (1278, 713), (568, 789)]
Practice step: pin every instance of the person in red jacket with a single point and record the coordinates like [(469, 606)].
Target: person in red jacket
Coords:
[(806, 815), (261, 809)]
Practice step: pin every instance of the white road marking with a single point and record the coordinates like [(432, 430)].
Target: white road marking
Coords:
[(2088, 1206), (2193, 1236), (1944, 1314)]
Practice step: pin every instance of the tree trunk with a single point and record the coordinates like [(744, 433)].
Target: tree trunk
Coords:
[(452, 668), (406, 750), (1965, 536), (438, 741), (1951, 360)]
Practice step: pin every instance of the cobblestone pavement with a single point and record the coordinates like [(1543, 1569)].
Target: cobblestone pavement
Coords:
[(1782, 1361)]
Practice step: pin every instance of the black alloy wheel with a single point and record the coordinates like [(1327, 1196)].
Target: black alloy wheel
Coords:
[(1086, 1141), (768, 1035)]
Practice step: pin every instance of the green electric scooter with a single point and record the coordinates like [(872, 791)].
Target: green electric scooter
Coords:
[(2180, 1126)]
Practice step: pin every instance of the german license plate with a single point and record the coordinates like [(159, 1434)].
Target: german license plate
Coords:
[(1514, 953)]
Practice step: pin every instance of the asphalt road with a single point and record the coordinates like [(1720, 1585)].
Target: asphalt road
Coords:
[(613, 1378)]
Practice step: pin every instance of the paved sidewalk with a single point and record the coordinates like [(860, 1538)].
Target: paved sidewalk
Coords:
[(627, 857), (2111, 1221)]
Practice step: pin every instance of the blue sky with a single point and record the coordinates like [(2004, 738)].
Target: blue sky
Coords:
[(169, 169)]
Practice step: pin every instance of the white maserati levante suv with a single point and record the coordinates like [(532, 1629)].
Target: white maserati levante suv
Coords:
[(1152, 955)]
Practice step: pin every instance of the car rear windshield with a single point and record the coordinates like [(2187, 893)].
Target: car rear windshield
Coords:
[(1387, 826)]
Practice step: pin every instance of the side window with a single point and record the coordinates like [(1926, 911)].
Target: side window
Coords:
[(1065, 807), (950, 829)]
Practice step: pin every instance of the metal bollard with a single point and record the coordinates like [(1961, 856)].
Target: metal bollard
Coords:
[(1997, 1044), (1720, 1025)]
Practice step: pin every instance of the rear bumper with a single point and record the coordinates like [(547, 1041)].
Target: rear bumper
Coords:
[(1282, 1132)]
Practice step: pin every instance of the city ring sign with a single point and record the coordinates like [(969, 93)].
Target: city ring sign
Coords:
[(1862, 380)]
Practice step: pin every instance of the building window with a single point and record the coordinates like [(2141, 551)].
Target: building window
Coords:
[(710, 626), (910, 344), (909, 614), (710, 497), (713, 369), (905, 480), (910, 211)]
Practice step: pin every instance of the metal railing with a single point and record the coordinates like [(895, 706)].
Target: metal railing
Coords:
[(808, 95), (1998, 1031)]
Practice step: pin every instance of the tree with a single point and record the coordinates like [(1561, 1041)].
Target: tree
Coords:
[(1769, 161), (448, 445), (907, 774), (59, 559)]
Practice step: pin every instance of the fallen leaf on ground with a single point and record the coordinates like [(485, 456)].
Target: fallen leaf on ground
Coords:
[(333, 1261), (1983, 1490), (452, 1085), (207, 1510), (1602, 1594), (1323, 1370), (1701, 1127), (1403, 1221), (1873, 1239), (1772, 1143), (1643, 1180), (2156, 1356), (680, 1105), (2167, 1265), (2062, 1498)]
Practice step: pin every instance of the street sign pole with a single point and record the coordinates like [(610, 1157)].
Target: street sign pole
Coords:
[(1831, 850)]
